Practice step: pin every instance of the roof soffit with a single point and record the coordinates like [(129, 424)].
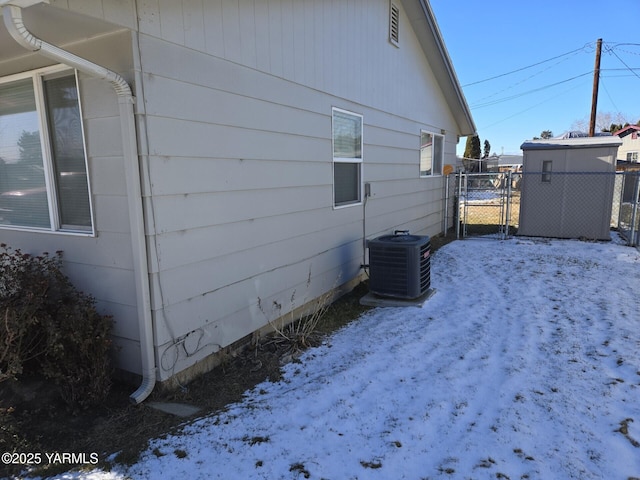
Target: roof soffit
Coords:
[(54, 25)]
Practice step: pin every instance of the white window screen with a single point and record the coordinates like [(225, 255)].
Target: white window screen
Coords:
[(347, 157), (23, 192), (67, 149), (431, 154), (43, 175)]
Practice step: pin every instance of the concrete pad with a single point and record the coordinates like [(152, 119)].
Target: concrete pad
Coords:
[(177, 409), (372, 300)]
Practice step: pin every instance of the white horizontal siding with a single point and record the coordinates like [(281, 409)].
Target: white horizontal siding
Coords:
[(178, 175), (216, 272), (198, 210), (242, 296), (179, 100), (107, 174), (185, 247), (237, 120), (240, 163), (172, 137)]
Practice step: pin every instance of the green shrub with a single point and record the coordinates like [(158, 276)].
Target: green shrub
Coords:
[(48, 327)]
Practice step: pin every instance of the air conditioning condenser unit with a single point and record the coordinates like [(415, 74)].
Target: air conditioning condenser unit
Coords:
[(400, 266)]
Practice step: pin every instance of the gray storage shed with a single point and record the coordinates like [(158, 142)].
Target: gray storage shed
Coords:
[(567, 187)]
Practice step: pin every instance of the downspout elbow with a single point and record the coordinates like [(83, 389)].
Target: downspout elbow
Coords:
[(20, 33)]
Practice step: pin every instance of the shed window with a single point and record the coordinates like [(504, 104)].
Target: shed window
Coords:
[(431, 154), (546, 171), (347, 157), (43, 170)]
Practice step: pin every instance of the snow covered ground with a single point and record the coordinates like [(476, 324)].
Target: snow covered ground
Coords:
[(524, 365)]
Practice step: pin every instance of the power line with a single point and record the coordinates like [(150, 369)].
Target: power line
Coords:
[(609, 95), (584, 47), (539, 72), (527, 109), (512, 97), (610, 50)]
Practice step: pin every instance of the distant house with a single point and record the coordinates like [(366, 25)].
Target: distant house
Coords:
[(207, 166), (504, 163), (629, 151)]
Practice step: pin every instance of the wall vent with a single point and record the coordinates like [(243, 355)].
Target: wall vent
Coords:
[(400, 266), (394, 24)]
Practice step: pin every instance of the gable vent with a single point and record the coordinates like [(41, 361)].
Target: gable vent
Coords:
[(394, 24)]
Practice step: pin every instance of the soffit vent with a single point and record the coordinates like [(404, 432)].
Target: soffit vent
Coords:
[(394, 24)]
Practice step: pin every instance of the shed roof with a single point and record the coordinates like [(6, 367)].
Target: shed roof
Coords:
[(567, 143)]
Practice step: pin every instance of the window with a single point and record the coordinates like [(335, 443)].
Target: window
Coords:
[(43, 169), (347, 157), (431, 154), (394, 24), (632, 157), (546, 171)]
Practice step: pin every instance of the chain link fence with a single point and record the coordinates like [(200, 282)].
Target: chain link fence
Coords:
[(583, 205)]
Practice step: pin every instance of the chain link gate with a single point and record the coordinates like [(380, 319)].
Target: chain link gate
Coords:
[(629, 201), (484, 203), (489, 203)]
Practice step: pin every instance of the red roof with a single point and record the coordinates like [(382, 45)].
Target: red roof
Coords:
[(623, 132)]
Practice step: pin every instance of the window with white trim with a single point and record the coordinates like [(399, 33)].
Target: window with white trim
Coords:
[(43, 166), (632, 157), (431, 153), (347, 157)]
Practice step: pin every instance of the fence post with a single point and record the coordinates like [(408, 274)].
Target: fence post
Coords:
[(457, 215), (446, 204), (634, 212), (506, 233)]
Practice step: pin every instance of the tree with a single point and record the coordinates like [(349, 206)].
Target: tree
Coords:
[(604, 121), (30, 151), (487, 149), (546, 134), (472, 151)]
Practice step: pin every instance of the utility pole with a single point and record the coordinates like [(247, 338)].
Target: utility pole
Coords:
[(594, 95)]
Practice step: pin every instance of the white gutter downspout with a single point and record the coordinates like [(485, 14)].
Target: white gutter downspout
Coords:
[(13, 21)]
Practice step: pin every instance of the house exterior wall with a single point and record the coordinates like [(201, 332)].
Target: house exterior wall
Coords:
[(99, 264), (630, 145), (233, 107), (574, 203), (240, 166)]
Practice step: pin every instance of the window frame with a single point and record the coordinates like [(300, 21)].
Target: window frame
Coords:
[(547, 170), (347, 160), (38, 77), (435, 136)]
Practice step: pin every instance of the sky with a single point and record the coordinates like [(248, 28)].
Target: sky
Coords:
[(523, 364), (486, 39)]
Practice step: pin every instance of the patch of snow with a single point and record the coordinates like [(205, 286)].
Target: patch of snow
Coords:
[(525, 364)]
